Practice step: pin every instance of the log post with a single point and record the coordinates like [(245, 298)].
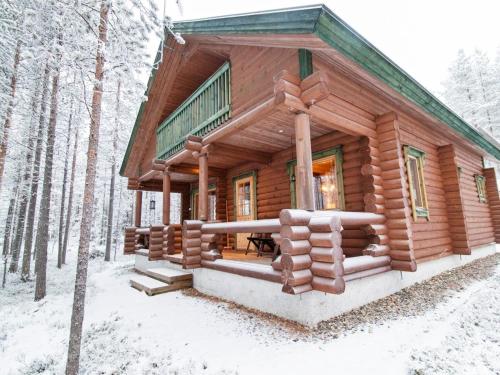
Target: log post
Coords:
[(454, 195), (166, 197), (156, 242), (326, 253), (304, 174), (138, 208), (209, 248), (191, 243), (130, 241), (203, 186), (396, 193), (168, 240), (295, 250)]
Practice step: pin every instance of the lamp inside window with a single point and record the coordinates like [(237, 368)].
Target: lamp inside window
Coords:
[(326, 183)]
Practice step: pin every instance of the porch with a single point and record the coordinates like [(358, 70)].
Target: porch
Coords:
[(300, 167)]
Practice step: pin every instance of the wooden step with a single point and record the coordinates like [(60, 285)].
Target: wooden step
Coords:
[(174, 258), (168, 275), (152, 286)]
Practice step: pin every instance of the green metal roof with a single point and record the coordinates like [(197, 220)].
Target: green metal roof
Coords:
[(322, 22)]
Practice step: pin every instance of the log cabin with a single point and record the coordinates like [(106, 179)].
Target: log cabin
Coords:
[(287, 128)]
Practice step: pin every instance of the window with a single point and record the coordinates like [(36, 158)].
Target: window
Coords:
[(415, 169), (481, 187), (212, 203), (327, 178)]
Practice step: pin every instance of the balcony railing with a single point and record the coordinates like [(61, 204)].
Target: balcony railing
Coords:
[(206, 108)]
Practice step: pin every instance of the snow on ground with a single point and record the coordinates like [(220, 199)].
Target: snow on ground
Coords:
[(127, 332)]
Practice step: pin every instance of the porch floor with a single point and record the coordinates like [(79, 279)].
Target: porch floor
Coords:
[(251, 257)]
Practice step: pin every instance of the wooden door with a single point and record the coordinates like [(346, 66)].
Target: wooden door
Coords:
[(245, 206)]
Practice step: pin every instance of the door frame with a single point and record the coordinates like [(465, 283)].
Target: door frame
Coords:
[(253, 175)]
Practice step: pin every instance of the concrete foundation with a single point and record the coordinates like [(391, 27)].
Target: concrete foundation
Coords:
[(313, 307)]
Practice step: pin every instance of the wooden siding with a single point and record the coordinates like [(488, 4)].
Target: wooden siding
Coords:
[(252, 72)]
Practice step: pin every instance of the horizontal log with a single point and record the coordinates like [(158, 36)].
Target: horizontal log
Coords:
[(295, 247), (315, 94), (358, 264), (190, 260), (325, 224), (295, 233), (295, 263), (327, 285), (282, 85), (400, 265), (375, 250), (192, 233), (276, 264), (296, 289), (250, 226), (256, 271), (192, 242), (367, 273), (192, 224), (324, 269), (326, 254), (295, 278), (294, 217), (353, 218), (325, 239), (211, 255)]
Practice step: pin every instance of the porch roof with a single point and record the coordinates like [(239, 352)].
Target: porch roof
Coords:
[(320, 23)]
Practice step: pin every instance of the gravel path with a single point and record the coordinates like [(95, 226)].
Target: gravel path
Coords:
[(412, 301)]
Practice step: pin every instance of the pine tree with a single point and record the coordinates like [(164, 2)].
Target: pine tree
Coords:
[(75, 336)]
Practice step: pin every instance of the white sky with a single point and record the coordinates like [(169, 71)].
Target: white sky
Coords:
[(422, 36)]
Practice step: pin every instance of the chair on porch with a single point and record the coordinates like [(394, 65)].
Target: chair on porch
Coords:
[(260, 241)]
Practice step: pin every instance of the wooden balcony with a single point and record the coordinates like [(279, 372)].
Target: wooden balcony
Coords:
[(205, 110)]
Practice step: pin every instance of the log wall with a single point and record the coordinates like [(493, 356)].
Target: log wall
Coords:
[(396, 194), (493, 200), (431, 237), (252, 72), (273, 185), (457, 224), (479, 221)]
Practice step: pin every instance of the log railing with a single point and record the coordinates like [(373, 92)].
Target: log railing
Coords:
[(207, 108), (312, 257)]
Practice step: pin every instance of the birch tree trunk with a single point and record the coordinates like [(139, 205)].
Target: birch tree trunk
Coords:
[(10, 108), (107, 255), (70, 200), (63, 192), (30, 222), (25, 185), (44, 217), (78, 312)]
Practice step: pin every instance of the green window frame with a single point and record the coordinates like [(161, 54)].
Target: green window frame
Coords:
[(481, 187), (337, 152), (252, 174), (415, 162)]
